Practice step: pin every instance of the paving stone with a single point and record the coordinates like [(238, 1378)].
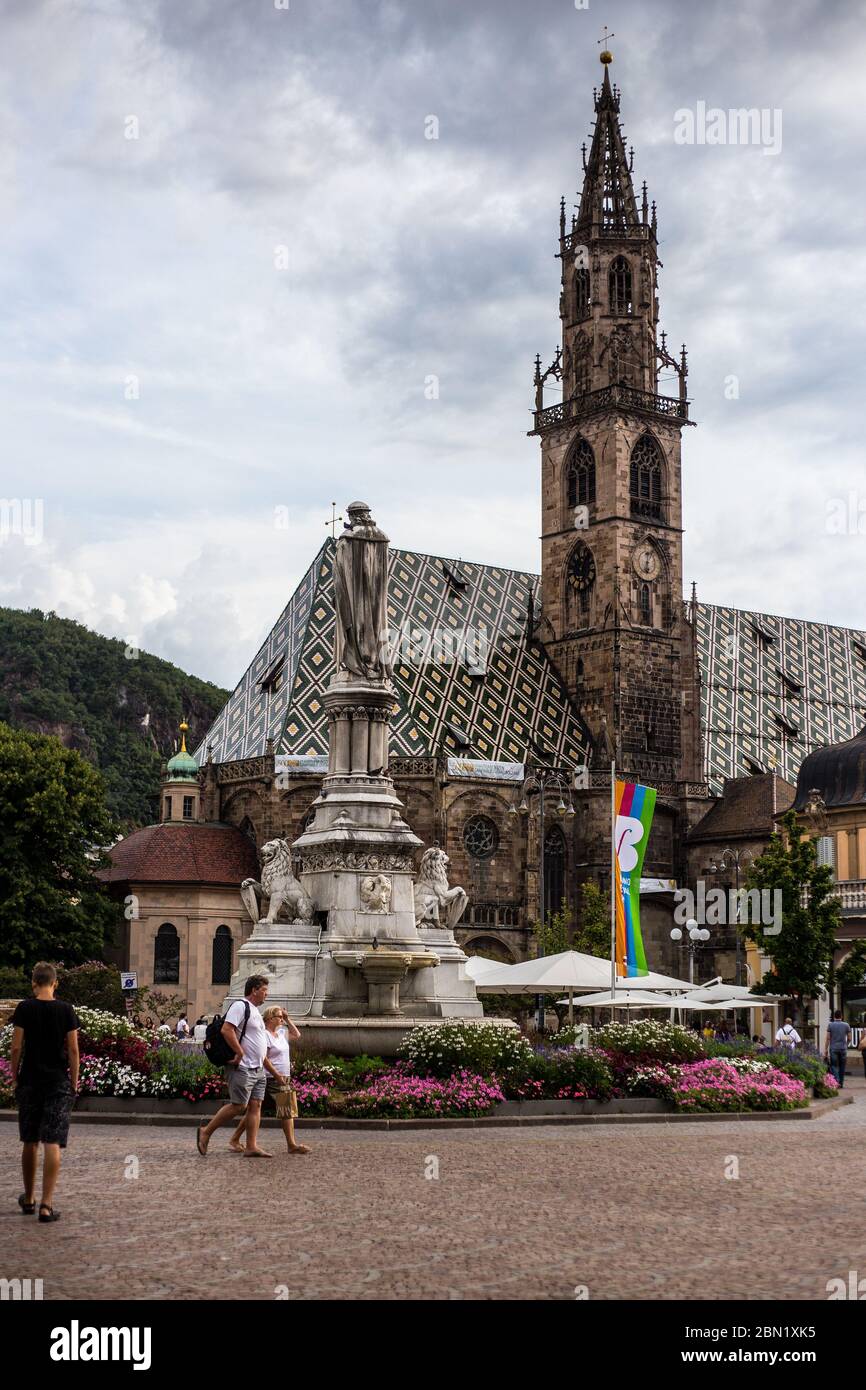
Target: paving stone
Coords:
[(630, 1212)]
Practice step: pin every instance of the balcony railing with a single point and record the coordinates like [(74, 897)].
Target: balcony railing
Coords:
[(615, 230), (624, 397), (852, 893)]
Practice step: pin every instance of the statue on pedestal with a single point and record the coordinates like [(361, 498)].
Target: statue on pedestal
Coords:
[(279, 885), (361, 597), (437, 905)]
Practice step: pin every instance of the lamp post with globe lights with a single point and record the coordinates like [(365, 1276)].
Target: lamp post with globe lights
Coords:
[(732, 859), (537, 783), (698, 937)]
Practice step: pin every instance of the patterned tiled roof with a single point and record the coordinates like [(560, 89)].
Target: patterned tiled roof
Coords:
[(773, 688), (488, 693)]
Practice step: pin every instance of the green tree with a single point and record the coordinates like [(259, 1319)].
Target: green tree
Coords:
[(54, 828), (592, 934), (802, 951)]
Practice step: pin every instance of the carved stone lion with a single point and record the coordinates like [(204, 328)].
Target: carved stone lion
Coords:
[(279, 885), (437, 905)]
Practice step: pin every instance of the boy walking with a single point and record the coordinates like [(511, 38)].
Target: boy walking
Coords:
[(245, 1033), (45, 1030)]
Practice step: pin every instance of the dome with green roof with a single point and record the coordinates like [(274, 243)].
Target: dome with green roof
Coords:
[(183, 766)]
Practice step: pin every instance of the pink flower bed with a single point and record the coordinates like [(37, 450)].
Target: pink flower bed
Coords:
[(396, 1095), (715, 1084)]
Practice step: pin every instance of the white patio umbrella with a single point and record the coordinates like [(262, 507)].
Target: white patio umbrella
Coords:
[(623, 999), (570, 972), (711, 994), (477, 967)]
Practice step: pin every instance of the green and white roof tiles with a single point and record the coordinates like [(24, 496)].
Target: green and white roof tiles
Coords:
[(773, 688), (483, 692)]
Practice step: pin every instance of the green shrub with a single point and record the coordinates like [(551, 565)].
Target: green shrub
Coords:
[(14, 984), (93, 984), (188, 1074), (487, 1049), (650, 1038), (572, 1074)]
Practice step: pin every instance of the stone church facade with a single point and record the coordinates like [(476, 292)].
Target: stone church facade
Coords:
[(598, 659)]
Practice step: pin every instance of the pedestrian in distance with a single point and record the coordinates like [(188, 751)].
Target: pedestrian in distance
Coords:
[(242, 1040), (836, 1046), (44, 1062), (787, 1035)]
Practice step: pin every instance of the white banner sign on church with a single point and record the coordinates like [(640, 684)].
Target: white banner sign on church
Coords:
[(493, 772)]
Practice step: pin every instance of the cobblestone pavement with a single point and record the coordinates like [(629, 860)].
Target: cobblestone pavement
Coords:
[(629, 1212)]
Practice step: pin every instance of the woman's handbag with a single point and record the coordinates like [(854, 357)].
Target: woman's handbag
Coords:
[(285, 1102)]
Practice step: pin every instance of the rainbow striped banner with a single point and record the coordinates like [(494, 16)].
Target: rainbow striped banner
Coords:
[(633, 815)]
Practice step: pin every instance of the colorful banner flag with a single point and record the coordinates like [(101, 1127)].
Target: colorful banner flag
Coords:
[(634, 807)]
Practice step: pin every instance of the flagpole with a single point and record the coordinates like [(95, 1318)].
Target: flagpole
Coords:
[(612, 884)]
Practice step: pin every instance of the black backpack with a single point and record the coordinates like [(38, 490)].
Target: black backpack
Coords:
[(216, 1049)]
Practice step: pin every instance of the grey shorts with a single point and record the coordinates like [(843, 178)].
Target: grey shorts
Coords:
[(245, 1085)]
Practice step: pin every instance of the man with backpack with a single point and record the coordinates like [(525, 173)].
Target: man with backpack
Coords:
[(239, 1043)]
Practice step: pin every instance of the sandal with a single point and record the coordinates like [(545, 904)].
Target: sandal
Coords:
[(27, 1208), (47, 1213), (298, 1149), (202, 1151)]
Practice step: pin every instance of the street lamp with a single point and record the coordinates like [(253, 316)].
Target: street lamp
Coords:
[(536, 784), (732, 859), (698, 937)]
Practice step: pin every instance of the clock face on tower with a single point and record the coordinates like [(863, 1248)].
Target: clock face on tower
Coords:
[(646, 562), (581, 569)]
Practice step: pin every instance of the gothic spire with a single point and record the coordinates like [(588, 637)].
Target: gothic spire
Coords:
[(608, 197)]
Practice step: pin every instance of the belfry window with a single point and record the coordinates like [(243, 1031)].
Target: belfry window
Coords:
[(645, 481), (645, 603), (619, 286), (581, 475), (581, 293)]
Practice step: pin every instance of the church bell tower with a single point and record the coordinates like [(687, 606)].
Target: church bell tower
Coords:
[(612, 617)]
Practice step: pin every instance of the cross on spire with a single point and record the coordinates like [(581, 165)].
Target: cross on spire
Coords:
[(334, 519), (605, 45)]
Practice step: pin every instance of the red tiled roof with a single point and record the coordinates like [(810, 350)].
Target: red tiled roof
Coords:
[(178, 853)]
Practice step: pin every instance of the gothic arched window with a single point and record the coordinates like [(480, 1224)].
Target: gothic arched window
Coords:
[(166, 956), (581, 293), (247, 828), (645, 480), (619, 286), (581, 475), (554, 870), (645, 605), (221, 957)]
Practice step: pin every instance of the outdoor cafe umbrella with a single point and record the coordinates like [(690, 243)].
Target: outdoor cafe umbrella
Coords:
[(623, 999), (478, 967), (568, 972), (711, 994)]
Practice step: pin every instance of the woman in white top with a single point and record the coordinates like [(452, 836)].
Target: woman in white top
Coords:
[(278, 1064)]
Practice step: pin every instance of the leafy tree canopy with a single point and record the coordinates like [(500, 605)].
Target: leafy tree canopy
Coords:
[(54, 831)]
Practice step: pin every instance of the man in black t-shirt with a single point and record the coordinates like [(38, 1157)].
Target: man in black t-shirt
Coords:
[(45, 1030)]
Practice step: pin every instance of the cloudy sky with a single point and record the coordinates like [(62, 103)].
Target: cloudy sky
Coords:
[(231, 259)]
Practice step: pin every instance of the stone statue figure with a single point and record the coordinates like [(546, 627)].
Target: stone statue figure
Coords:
[(279, 885), (437, 905), (361, 597)]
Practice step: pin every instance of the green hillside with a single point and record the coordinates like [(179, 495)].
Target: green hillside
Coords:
[(120, 711)]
